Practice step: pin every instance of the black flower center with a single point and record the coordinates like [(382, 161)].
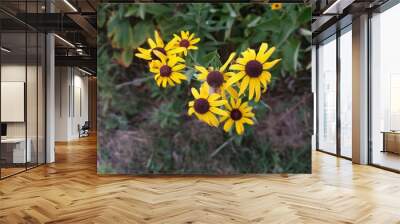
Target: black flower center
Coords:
[(160, 49), (254, 68), (184, 43), (215, 79), (236, 114), (165, 71), (201, 106)]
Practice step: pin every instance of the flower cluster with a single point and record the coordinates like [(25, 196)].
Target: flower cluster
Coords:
[(165, 59), (222, 93)]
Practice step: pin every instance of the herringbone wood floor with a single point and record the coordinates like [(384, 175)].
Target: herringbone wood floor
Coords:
[(70, 191)]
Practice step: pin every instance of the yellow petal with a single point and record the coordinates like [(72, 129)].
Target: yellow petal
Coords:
[(159, 81), (176, 51), (178, 38), (204, 91), (172, 61), (154, 70), (202, 76), (244, 84), (179, 75), (261, 51), (190, 111), (214, 97), (159, 41), (223, 118), (176, 79), (268, 54), (228, 125), (171, 44), (161, 56), (164, 82), (238, 102), (201, 69), (170, 82), (213, 120), (249, 114), (232, 92), (195, 93), (183, 35), (242, 61), (178, 67), (239, 127), (231, 56), (251, 88), (227, 75), (194, 41), (192, 48), (257, 89), (237, 67), (247, 121), (144, 51), (235, 78), (206, 118), (243, 106), (151, 42), (143, 56), (218, 111), (250, 54), (264, 79), (156, 63), (271, 64), (232, 102), (227, 106), (191, 103)]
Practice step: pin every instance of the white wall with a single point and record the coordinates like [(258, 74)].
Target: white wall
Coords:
[(71, 102), (33, 127)]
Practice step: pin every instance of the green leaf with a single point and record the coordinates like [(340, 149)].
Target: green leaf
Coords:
[(232, 12), (254, 22), (158, 9), (126, 57), (291, 54), (142, 11), (142, 31), (131, 10), (210, 58), (228, 28), (304, 16), (101, 17)]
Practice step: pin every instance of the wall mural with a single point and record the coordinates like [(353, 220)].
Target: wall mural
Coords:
[(204, 88)]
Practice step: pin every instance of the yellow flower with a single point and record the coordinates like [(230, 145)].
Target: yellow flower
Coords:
[(167, 69), (252, 70), (276, 6), (216, 78), (186, 41), (169, 49), (205, 106), (239, 114)]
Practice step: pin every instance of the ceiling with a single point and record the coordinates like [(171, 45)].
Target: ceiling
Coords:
[(331, 15), (74, 22)]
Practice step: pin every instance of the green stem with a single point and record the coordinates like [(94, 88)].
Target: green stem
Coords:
[(216, 151)]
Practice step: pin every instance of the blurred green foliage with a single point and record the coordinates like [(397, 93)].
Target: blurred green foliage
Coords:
[(145, 129)]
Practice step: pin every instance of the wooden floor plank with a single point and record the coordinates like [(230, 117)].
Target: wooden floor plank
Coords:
[(70, 191)]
